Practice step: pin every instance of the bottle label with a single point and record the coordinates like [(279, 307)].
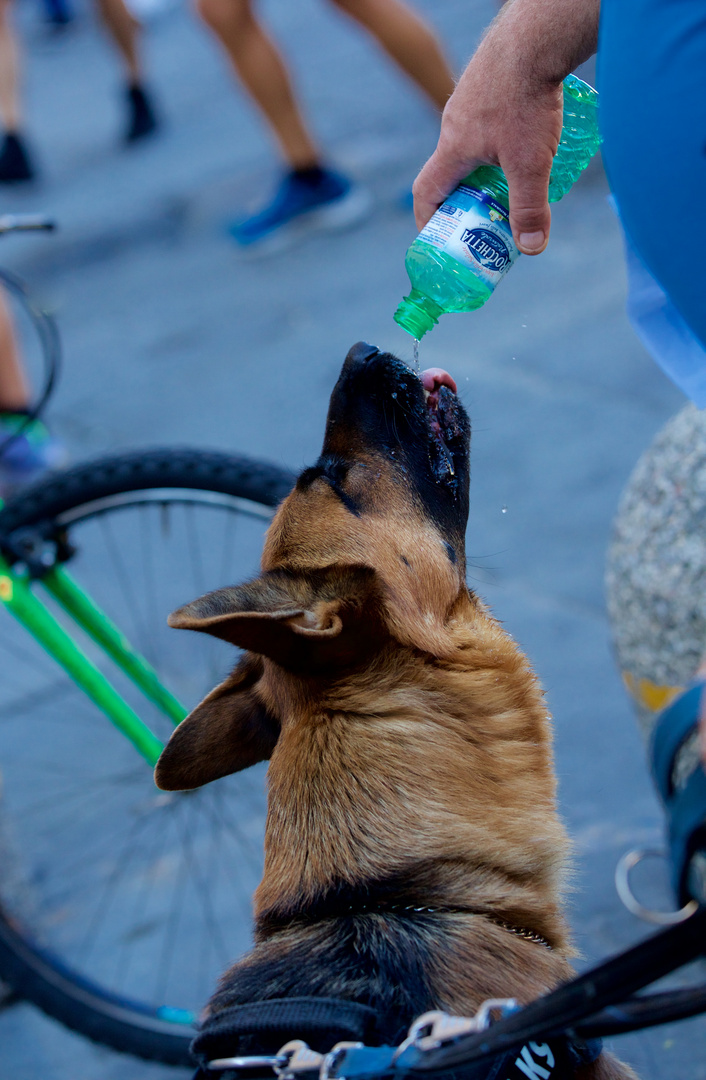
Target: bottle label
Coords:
[(473, 228)]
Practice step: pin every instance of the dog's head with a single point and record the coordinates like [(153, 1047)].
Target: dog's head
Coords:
[(367, 549)]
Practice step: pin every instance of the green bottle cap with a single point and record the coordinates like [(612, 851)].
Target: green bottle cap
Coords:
[(417, 314)]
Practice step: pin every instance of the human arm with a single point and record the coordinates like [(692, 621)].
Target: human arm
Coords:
[(507, 110)]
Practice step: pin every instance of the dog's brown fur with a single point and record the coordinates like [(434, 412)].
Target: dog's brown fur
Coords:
[(410, 754)]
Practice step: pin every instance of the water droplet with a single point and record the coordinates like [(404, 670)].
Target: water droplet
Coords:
[(394, 394), (416, 353), (503, 510)]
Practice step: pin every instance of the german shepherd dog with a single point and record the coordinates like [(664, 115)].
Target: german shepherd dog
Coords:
[(413, 852)]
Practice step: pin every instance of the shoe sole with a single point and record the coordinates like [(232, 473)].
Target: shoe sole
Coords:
[(335, 216)]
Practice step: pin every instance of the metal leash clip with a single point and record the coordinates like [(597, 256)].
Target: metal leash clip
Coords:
[(331, 1061), (435, 1029), (258, 1061), (298, 1059), (293, 1060)]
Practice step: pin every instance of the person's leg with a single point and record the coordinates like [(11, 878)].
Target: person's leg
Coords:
[(9, 70), (14, 389), (27, 449), (125, 29), (407, 39), (14, 162), (260, 67)]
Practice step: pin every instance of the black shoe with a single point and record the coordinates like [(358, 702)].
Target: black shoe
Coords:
[(141, 119), (15, 166)]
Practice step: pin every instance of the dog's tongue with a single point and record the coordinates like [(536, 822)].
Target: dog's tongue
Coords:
[(434, 377)]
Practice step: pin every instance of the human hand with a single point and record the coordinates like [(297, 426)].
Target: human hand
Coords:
[(507, 110), (513, 126)]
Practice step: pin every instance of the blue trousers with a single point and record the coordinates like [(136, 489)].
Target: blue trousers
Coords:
[(652, 85)]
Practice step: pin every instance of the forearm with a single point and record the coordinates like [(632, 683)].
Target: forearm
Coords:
[(546, 38)]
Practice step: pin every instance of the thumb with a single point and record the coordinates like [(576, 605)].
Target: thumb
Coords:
[(437, 179), (530, 216)]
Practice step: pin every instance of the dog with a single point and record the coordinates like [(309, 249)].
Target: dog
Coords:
[(414, 857)]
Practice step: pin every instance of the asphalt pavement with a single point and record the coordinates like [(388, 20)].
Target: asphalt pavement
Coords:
[(173, 336)]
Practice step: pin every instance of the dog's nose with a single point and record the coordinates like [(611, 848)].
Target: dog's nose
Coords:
[(361, 352)]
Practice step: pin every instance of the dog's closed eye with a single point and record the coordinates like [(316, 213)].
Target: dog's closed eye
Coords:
[(334, 471)]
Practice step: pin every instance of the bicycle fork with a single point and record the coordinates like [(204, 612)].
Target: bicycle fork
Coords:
[(17, 596)]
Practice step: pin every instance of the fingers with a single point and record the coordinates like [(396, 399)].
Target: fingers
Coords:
[(530, 216), (436, 180)]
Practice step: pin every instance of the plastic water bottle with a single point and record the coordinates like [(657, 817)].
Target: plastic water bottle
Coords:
[(467, 247)]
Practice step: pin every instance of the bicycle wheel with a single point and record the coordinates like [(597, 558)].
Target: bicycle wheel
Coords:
[(121, 905)]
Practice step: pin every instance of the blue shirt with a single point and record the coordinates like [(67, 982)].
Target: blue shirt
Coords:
[(652, 85)]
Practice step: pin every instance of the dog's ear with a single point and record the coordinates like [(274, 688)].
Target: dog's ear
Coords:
[(230, 730), (303, 620)]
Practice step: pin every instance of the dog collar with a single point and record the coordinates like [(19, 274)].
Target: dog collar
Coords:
[(409, 909)]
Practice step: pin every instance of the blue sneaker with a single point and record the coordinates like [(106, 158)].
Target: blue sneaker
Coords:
[(33, 453), (306, 200)]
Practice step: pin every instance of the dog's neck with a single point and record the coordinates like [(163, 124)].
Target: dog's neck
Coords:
[(422, 780)]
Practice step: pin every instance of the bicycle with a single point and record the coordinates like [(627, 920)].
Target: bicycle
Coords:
[(119, 903)]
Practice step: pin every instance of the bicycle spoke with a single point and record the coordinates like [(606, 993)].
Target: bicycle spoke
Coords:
[(140, 906), (148, 578), (124, 578), (108, 893), (172, 927)]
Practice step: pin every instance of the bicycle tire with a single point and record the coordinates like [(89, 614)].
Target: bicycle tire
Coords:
[(82, 494)]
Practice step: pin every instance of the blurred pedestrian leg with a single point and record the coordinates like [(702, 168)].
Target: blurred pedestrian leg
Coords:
[(27, 450), (14, 386), (15, 164), (311, 191), (408, 40), (125, 31)]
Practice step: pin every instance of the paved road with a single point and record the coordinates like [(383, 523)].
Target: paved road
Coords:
[(172, 336)]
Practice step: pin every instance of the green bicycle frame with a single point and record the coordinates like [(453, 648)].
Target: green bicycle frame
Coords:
[(17, 596)]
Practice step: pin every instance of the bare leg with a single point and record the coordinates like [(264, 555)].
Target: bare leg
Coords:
[(124, 29), (261, 69), (9, 70), (408, 40), (14, 390)]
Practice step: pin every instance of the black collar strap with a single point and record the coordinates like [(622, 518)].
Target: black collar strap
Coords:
[(261, 1027)]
